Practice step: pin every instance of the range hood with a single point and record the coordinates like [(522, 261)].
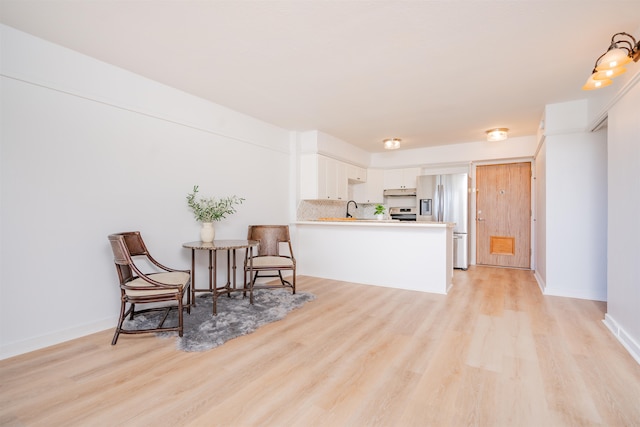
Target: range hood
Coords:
[(400, 192)]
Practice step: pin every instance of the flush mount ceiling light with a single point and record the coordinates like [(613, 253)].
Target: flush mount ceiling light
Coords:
[(392, 143), (497, 134), (622, 50)]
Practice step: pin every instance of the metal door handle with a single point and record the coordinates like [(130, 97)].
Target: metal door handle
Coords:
[(480, 219)]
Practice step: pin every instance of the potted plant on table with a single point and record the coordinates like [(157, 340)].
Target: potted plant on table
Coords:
[(379, 212), (208, 210)]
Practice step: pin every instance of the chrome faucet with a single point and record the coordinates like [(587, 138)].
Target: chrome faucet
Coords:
[(349, 202)]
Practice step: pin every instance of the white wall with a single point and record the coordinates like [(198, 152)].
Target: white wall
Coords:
[(88, 149), (574, 198), (623, 274), (540, 215), (576, 214)]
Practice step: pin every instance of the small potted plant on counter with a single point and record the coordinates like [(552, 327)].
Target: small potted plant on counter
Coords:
[(379, 213), (211, 209)]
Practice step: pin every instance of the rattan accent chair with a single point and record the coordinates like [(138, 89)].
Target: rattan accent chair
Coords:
[(271, 257), (136, 287)]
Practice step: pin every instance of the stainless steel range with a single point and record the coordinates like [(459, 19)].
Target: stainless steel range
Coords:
[(403, 214)]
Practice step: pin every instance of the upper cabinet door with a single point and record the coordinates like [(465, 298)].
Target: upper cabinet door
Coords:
[(393, 178), (401, 178), (322, 178), (336, 180), (342, 183), (410, 176), (356, 173), (370, 191), (308, 176)]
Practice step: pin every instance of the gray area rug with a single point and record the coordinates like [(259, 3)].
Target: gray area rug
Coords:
[(236, 317)]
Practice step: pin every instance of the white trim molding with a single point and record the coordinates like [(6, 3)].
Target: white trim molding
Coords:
[(541, 283), (42, 341), (621, 335)]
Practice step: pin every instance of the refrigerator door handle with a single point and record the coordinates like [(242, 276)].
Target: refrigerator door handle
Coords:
[(437, 206), (440, 203)]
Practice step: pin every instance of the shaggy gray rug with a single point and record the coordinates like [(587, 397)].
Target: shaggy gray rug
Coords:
[(236, 317)]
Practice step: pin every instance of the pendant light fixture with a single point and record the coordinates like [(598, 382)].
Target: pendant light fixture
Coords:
[(622, 50), (391, 143), (497, 134)]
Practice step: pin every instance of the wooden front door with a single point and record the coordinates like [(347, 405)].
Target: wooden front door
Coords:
[(503, 217)]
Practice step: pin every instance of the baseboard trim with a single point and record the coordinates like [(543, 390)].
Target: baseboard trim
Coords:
[(541, 284), (37, 343), (573, 293), (621, 335)]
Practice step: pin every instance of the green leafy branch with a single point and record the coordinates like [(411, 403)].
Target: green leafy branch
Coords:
[(212, 209)]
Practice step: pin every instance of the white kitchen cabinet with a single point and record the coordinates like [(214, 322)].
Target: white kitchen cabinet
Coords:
[(356, 173), (336, 180), (370, 191), (401, 178), (308, 177), (393, 178), (322, 178)]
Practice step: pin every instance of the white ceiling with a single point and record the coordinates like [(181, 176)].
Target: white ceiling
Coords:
[(429, 72)]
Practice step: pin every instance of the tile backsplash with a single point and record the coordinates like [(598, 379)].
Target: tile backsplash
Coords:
[(313, 209)]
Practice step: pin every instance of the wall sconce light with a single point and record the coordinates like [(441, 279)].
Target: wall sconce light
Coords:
[(391, 143), (623, 49), (497, 134)]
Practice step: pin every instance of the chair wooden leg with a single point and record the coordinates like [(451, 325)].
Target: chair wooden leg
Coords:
[(188, 304), (132, 311), (180, 316), (282, 281), (188, 291), (252, 282), (120, 320), (288, 283)]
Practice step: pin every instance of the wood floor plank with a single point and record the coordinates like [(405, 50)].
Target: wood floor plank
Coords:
[(493, 352)]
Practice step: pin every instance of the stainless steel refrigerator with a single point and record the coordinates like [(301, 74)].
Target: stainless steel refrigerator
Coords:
[(445, 198)]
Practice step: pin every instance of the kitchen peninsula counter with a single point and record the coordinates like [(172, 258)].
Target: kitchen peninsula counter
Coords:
[(376, 222), (397, 254)]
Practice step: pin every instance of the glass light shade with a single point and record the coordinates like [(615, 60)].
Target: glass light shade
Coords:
[(613, 58), (608, 74), (596, 84), (392, 144), (497, 134)]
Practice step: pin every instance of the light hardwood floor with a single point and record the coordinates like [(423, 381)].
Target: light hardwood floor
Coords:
[(494, 352)]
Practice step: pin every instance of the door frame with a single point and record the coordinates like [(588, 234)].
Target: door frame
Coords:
[(473, 208)]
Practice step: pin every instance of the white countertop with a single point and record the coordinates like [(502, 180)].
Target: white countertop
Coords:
[(380, 223)]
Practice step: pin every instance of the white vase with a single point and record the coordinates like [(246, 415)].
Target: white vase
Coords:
[(207, 232), (379, 217)]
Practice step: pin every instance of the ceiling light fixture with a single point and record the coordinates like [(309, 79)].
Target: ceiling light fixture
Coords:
[(497, 134), (623, 49), (392, 143)]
